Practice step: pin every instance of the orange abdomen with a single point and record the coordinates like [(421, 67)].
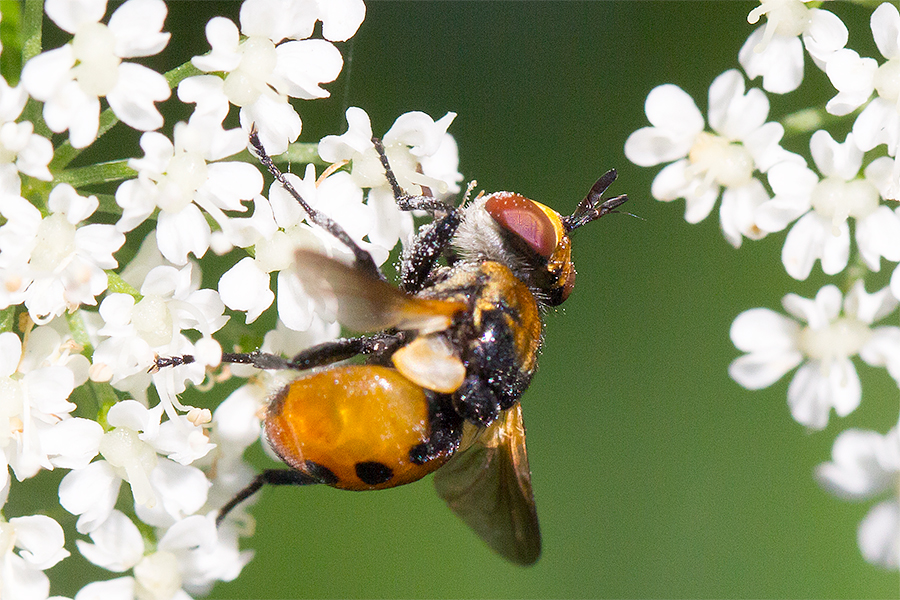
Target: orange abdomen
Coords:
[(353, 427)]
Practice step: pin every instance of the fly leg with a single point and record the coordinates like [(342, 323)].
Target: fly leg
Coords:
[(267, 477), (320, 355), (433, 239), (362, 259)]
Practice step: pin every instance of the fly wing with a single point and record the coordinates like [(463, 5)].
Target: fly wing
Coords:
[(488, 485), (363, 303)]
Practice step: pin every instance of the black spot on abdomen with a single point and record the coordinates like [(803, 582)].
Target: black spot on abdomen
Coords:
[(373, 473)]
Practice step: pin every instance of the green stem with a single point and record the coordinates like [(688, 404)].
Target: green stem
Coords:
[(93, 174), (117, 285), (32, 23), (856, 270), (79, 332), (180, 73), (105, 396)]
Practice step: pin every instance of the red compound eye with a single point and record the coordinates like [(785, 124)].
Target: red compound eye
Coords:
[(525, 218)]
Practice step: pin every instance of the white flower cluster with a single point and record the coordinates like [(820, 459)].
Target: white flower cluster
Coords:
[(766, 189), (80, 330)]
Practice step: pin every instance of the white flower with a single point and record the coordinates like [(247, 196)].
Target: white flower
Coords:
[(864, 465), (412, 140), (40, 540), (135, 332), (53, 264), (180, 179), (857, 78), (774, 51), (69, 80), (36, 430), (421, 153), (275, 61), (164, 491), (191, 554), (824, 206), (21, 150), (707, 162), (776, 344)]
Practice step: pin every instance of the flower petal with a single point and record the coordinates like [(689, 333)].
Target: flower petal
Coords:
[(41, 540), (825, 35), (90, 492), (804, 244), (855, 471), (853, 77), (118, 544), (885, 21), (181, 233), (877, 535), (137, 25), (70, 15), (340, 18), (133, 97), (780, 63), (650, 146), (670, 108), (305, 64), (834, 159), (733, 113)]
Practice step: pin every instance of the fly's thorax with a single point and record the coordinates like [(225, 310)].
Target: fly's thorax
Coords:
[(495, 296)]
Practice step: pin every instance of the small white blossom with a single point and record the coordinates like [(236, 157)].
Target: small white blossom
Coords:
[(421, 154), (191, 554), (136, 332), (53, 263), (706, 162), (823, 207), (866, 464), (40, 541), (776, 344), (36, 430), (70, 80), (857, 78), (117, 544), (21, 150), (412, 140), (275, 61), (180, 179), (164, 491), (774, 51)]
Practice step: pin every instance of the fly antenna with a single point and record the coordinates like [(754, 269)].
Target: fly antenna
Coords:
[(593, 206)]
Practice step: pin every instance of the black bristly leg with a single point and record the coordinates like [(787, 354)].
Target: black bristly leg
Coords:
[(404, 200), (363, 260), (319, 355), (419, 259), (267, 477)]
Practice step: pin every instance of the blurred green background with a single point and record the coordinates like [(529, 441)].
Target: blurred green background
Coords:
[(655, 474)]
